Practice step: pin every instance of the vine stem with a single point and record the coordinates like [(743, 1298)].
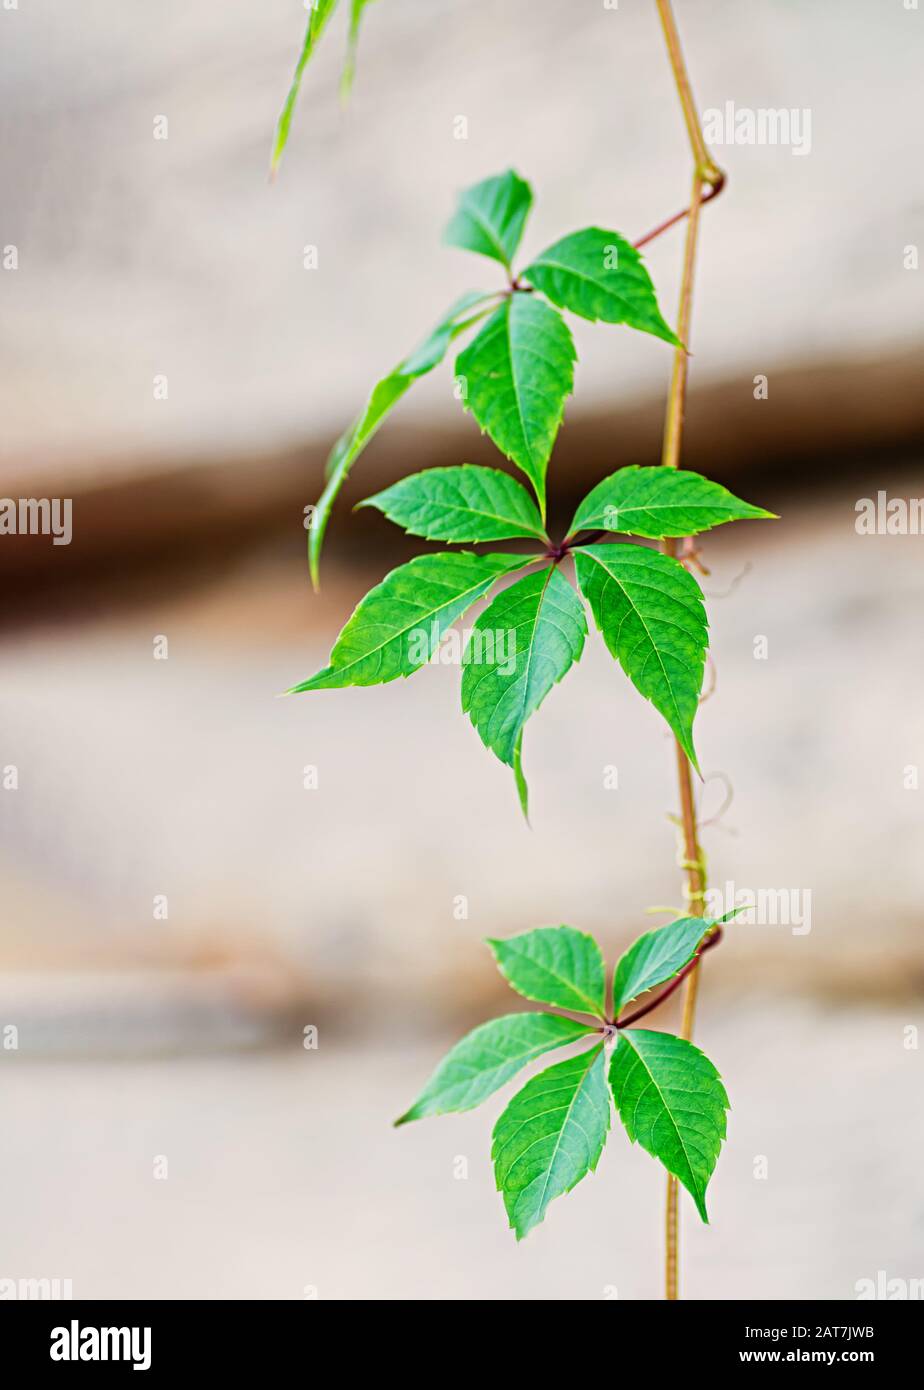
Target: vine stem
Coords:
[(706, 174), (711, 192)]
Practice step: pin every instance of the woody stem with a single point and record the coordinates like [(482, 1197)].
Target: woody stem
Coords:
[(706, 174)]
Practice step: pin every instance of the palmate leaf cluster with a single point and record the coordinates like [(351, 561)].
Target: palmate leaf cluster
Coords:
[(516, 373), (668, 1095)]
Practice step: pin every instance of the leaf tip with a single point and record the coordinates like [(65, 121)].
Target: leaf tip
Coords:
[(727, 916), (520, 778), (686, 743), (520, 1229)]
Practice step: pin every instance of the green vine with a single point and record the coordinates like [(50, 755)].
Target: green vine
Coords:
[(514, 377)]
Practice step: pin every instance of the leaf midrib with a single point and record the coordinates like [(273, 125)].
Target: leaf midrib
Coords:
[(667, 1110), (637, 611), (544, 263), (477, 217), (421, 618), (515, 383), (528, 529), (532, 648), (652, 966), (595, 518), (594, 1053), (594, 1010)]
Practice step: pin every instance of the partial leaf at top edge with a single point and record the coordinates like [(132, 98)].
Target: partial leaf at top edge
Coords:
[(550, 1136), (650, 612), (671, 1100), (488, 1057), (655, 958), (399, 624), (318, 16), (491, 216), (554, 965), (464, 503), (357, 9), (385, 395), (515, 376), (599, 275), (656, 502)]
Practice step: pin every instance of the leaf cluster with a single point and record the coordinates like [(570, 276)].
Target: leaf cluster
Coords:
[(668, 1095), (514, 376)]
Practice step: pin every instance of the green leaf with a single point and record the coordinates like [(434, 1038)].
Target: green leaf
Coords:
[(357, 8), (486, 1059), (465, 503), (671, 1100), (656, 957), (318, 16), (516, 374), (554, 965), (551, 1134), (520, 779), (726, 916), (398, 625), (491, 216), (385, 395), (522, 644), (598, 275), (658, 502), (651, 614)]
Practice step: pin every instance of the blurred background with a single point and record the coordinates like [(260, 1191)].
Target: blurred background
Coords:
[(178, 906)]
